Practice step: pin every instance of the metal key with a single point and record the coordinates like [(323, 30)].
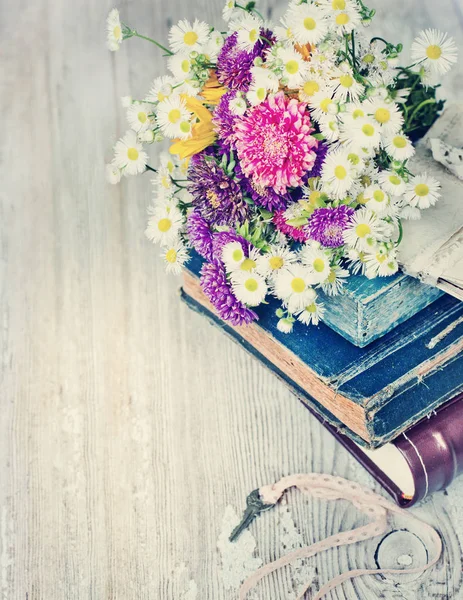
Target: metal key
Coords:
[(254, 507)]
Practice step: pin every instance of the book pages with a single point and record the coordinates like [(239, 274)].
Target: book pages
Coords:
[(432, 248)]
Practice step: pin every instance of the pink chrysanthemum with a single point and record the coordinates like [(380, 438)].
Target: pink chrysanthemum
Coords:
[(274, 144), (299, 234)]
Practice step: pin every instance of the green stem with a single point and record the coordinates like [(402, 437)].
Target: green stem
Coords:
[(354, 60), (148, 168), (144, 37), (418, 108), (380, 39), (401, 233)]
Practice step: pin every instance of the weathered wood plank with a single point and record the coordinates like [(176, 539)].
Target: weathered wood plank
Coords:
[(126, 425)]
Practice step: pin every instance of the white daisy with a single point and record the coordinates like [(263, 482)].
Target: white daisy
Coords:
[(377, 200), (140, 116), (233, 255), (174, 118), (312, 313), (380, 264), (363, 133), (256, 95), (129, 155), (310, 86), (186, 37), (237, 105), (293, 286), (399, 147), (229, 10), (294, 67), (161, 89), (386, 114), (335, 281), (180, 66), (322, 104), (338, 173), (347, 88), (422, 191), (264, 78), (113, 173), (249, 264), (213, 46), (175, 256), (345, 20), (249, 288), (317, 260), (277, 257), (114, 30), (436, 50), (363, 229), (329, 127), (307, 23), (392, 183), (164, 225), (356, 261), (248, 29), (285, 325)]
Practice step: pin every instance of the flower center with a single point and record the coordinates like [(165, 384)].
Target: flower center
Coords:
[(332, 276), (275, 262), (324, 104), (248, 264), (399, 142), (309, 23), (185, 66), (382, 115), (251, 285), (358, 113), (298, 285), (164, 225), (433, 52), (132, 153), (340, 172), (237, 255), (342, 19), (368, 59), (353, 158), (365, 180), (185, 127), (346, 81), (319, 265), (378, 195), (213, 198), (117, 32), (421, 190), (253, 35), (310, 88), (261, 93), (394, 180), (165, 182), (368, 130), (311, 308), (362, 230), (190, 38), (171, 256), (174, 115), (380, 258), (142, 117), (338, 4), (292, 66)]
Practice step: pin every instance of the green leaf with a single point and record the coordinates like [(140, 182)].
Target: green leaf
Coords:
[(299, 222)]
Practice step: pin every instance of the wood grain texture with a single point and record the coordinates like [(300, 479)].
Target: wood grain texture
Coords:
[(127, 425)]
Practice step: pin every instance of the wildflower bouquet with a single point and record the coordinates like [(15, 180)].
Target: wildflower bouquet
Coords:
[(288, 164)]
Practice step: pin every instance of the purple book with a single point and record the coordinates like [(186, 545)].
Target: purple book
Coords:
[(424, 459)]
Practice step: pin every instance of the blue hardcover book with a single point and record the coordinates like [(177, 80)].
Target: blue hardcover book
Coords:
[(371, 394)]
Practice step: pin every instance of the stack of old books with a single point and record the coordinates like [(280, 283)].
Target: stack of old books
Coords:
[(384, 372)]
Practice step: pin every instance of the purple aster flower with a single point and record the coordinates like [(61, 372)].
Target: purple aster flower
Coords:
[(199, 234), (234, 65), (224, 119), (316, 170), (262, 196), (326, 225), (217, 197), (222, 238), (217, 288)]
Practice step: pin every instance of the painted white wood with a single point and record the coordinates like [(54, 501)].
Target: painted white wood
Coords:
[(126, 424)]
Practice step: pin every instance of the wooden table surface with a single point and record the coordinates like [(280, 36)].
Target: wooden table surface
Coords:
[(129, 429)]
